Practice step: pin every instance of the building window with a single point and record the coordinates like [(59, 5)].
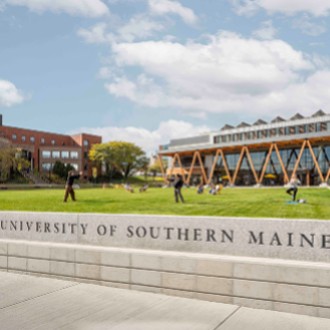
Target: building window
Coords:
[(45, 154), (46, 166), (74, 154), (14, 136), (323, 126), (65, 154), (86, 143), (42, 140), (56, 154), (53, 142), (23, 138), (32, 139), (311, 128)]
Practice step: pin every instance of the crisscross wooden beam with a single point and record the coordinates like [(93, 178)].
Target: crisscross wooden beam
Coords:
[(263, 171), (226, 167), (251, 164), (298, 159), (315, 161), (173, 163), (238, 165), (201, 166), (196, 156), (328, 176), (191, 168), (162, 167), (213, 166), (286, 177)]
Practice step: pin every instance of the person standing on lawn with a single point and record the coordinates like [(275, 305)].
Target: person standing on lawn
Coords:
[(72, 175), (293, 187), (178, 183)]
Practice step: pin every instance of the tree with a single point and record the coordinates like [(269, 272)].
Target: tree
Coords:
[(10, 160), (61, 169), (118, 156)]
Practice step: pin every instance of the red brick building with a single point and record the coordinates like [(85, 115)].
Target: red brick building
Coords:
[(43, 149)]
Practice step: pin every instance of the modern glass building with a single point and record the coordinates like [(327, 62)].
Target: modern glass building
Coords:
[(262, 153)]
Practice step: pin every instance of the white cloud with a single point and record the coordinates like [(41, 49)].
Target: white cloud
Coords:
[(9, 94), (266, 31), (291, 7), (94, 35), (88, 8), (148, 140), (163, 7), (307, 26), (139, 27), (229, 74)]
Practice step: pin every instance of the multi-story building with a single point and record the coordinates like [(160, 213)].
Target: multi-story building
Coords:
[(43, 149), (261, 153)]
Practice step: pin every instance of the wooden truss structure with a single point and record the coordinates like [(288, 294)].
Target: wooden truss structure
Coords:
[(242, 151)]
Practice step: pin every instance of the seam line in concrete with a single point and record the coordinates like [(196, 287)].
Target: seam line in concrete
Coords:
[(36, 297), (218, 327)]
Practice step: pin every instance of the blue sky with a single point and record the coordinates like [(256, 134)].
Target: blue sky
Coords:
[(148, 71)]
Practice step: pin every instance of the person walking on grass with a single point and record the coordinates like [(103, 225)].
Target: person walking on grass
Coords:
[(293, 187), (178, 183), (72, 175)]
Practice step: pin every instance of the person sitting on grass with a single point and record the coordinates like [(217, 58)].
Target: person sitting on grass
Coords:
[(143, 188), (200, 189), (128, 188)]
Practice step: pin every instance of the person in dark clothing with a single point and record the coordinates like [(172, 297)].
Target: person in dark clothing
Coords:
[(69, 185), (178, 183)]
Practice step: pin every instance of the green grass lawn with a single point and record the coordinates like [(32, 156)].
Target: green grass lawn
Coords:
[(242, 202)]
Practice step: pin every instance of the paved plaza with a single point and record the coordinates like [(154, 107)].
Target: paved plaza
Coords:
[(28, 302)]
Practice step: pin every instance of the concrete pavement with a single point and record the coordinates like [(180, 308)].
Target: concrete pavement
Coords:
[(28, 302)]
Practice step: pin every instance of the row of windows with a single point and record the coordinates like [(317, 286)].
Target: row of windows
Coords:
[(42, 140), (49, 166), (273, 132), (59, 154), (32, 139)]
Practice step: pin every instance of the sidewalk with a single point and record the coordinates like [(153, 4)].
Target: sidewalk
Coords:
[(28, 302)]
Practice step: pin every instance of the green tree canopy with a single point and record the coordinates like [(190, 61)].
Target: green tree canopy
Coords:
[(61, 169), (10, 160), (118, 156)]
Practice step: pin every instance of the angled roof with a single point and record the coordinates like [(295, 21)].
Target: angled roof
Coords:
[(277, 119), (319, 113), (226, 127), (243, 124), (297, 116), (260, 122)]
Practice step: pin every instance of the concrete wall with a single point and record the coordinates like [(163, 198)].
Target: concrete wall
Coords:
[(174, 268)]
